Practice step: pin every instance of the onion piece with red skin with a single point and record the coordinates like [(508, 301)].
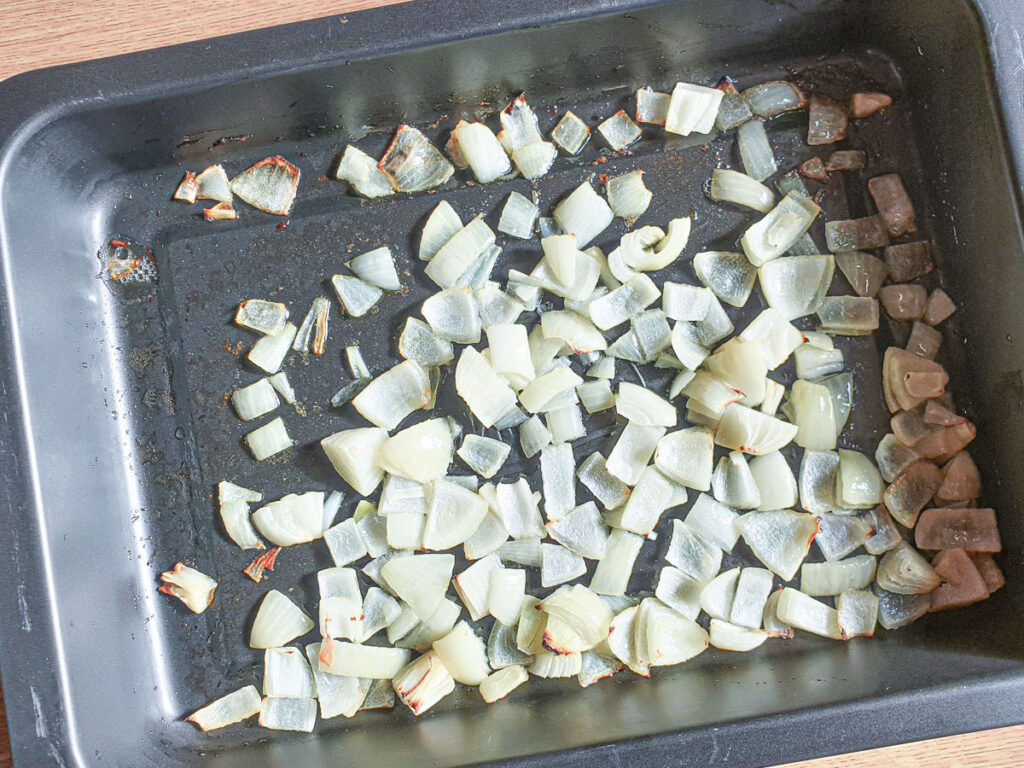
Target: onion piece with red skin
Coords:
[(893, 204), (866, 104), (194, 588), (973, 530)]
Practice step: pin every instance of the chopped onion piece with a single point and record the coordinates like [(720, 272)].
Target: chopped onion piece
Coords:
[(484, 391), (453, 315), (583, 213), (606, 488), (269, 352), (733, 111), (286, 674), (622, 640), (651, 106), (268, 440), (278, 621), (186, 192), (893, 204), (596, 396), (796, 285), (752, 591), (780, 539), (717, 596), (345, 542), (730, 637), (679, 591), (442, 224), (744, 429), (535, 159), (856, 234), (234, 515), (627, 195), (626, 301), (533, 436), (571, 133), (365, 661), (755, 151), (777, 336), (835, 577), (519, 122), (292, 519), (536, 395), (620, 131), (558, 468), (420, 580), (692, 109), (194, 588), (687, 456), (779, 229), (255, 400), (866, 104), (463, 654), (666, 637), (577, 620), (804, 612), (733, 484), (940, 306), (776, 485), (643, 407), (524, 552), (473, 585), (651, 496), (857, 612), (839, 535), (435, 627), (377, 267), (266, 317), (848, 315), (827, 121), (904, 570), (685, 302), (962, 583), (356, 297), (581, 531), (496, 306), (361, 171), (478, 147), (419, 343), (484, 455), (353, 454), (500, 684), (227, 710), (713, 522), (393, 395), (632, 451), (269, 185), (896, 610), (773, 98), (459, 253), (412, 163), (973, 530), (691, 554), (314, 326), (556, 665), (505, 591), (518, 217), (518, 510), (453, 515), (502, 650), (813, 363), (337, 695), (730, 276), (614, 569), (730, 186), (288, 714), (421, 452), (858, 483)]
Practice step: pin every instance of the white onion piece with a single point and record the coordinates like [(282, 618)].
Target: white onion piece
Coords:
[(421, 452), (627, 348), (453, 315), (506, 588), (356, 297), (813, 363), (583, 213), (556, 665), (858, 613), (858, 483), (510, 355), (740, 364), (620, 131), (436, 626), (286, 674), (372, 529), (268, 440), (905, 571), (292, 519), (269, 185), (752, 591), (776, 485), (686, 349), (314, 327), (744, 429), (518, 217), (502, 650), (651, 496), (622, 640), (773, 235), (230, 492), (606, 488), (379, 695), (419, 343), (774, 98), (477, 146), (817, 481), (773, 394), (624, 302), (577, 620), (692, 109), (687, 456), (892, 457), (651, 106), (442, 224), (460, 252), (667, 249), (489, 536), (337, 695), (535, 159), (596, 396), (380, 610), (266, 317), (804, 612), (839, 535), (685, 302), (813, 415), (353, 454), (560, 256), (496, 306), (679, 591), (361, 171), (558, 468), (194, 588), (730, 186), (234, 516), (484, 391), (834, 577), (779, 338), (773, 625), (187, 190), (484, 455), (711, 393), (755, 151), (269, 352), (652, 332), (536, 395), (632, 451), (524, 552), (463, 655), (365, 661), (575, 330), (627, 195), (519, 123), (714, 522), (288, 714), (717, 596), (533, 436), (500, 684), (255, 400), (848, 315), (581, 531), (588, 272), (571, 133), (641, 406), (376, 267), (278, 621), (796, 285), (423, 682), (453, 515), (412, 163), (559, 565), (518, 510), (780, 539), (393, 395), (667, 637), (691, 554), (227, 710), (732, 483), (715, 325), (614, 569), (420, 580), (730, 637)]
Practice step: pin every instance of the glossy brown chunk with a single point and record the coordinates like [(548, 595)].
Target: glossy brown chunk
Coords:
[(827, 121), (863, 272), (866, 104), (908, 494), (924, 341), (939, 307), (904, 301), (925, 384), (972, 530), (946, 442), (990, 572), (962, 584), (845, 160), (896, 364), (939, 415), (910, 426), (893, 204), (961, 479), (814, 169), (908, 261)]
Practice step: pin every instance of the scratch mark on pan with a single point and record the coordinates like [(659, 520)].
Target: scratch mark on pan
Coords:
[(26, 622), (37, 710)]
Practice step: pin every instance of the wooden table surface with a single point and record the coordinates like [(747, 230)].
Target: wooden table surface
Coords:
[(39, 33)]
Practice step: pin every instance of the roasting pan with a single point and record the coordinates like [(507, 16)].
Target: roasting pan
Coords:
[(114, 432)]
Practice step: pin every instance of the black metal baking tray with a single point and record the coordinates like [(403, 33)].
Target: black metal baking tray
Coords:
[(114, 432)]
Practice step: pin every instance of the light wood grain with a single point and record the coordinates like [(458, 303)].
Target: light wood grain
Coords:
[(39, 33)]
